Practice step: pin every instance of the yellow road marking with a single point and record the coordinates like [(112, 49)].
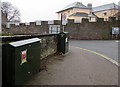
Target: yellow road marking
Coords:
[(105, 57)]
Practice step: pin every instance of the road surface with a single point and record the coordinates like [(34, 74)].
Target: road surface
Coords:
[(108, 48)]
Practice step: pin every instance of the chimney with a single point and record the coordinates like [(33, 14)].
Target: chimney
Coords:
[(89, 5)]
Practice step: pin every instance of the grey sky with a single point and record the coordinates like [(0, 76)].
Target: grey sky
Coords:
[(32, 10)]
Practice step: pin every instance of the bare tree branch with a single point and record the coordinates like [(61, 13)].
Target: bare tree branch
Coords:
[(10, 11)]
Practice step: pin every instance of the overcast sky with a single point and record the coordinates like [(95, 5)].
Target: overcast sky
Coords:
[(32, 10)]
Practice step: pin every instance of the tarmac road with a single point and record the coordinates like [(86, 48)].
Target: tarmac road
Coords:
[(108, 48)]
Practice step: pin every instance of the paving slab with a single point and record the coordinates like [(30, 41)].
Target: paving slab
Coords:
[(78, 67)]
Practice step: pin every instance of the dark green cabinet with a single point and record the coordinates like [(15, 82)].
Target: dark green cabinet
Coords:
[(21, 59), (63, 42)]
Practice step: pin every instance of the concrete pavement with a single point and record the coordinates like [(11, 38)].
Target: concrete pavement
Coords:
[(78, 67)]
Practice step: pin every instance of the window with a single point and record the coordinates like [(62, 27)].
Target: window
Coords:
[(54, 28), (104, 14), (90, 18), (68, 12), (105, 19)]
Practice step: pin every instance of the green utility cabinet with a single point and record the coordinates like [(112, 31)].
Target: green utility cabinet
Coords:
[(21, 59), (63, 42)]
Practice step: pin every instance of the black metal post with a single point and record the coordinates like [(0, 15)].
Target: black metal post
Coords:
[(61, 27)]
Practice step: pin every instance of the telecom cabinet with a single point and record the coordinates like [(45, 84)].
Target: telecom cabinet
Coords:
[(21, 59)]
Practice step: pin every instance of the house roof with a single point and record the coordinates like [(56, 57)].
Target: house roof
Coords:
[(80, 14), (92, 15), (105, 7), (74, 5)]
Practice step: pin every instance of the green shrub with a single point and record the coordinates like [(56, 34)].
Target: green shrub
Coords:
[(6, 34)]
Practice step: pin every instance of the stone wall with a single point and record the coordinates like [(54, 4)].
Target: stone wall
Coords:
[(85, 30), (48, 45), (49, 42), (92, 30)]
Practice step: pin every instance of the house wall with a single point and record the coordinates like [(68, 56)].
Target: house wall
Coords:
[(81, 10), (68, 12), (109, 13), (71, 11), (77, 19), (92, 19)]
